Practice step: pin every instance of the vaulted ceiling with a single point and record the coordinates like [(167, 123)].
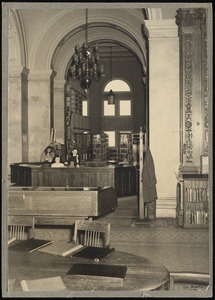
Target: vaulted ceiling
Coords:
[(47, 37)]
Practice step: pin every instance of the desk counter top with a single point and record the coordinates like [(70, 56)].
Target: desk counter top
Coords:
[(142, 274), (123, 178)]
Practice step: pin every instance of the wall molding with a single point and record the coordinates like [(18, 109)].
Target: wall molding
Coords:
[(166, 207)]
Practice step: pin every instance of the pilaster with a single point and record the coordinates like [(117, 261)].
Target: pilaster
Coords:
[(163, 78), (17, 103), (40, 111), (194, 86), (59, 108)]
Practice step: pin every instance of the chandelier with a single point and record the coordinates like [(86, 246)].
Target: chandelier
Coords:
[(85, 65), (111, 95)]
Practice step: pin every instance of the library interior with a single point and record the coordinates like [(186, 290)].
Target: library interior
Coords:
[(107, 181)]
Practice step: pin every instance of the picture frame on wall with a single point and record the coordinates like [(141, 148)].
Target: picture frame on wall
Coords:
[(204, 164)]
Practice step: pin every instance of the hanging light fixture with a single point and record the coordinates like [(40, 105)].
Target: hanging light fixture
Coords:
[(111, 95), (85, 65)]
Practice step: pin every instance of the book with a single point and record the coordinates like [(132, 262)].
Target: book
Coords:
[(11, 240), (30, 245), (118, 271), (43, 284), (93, 252), (61, 248)]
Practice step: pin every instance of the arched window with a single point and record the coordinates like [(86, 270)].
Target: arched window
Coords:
[(117, 85), (122, 92), (114, 114)]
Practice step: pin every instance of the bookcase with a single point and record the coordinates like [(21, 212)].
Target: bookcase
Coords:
[(125, 147), (192, 201), (100, 144), (83, 143), (113, 154), (74, 101), (135, 146)]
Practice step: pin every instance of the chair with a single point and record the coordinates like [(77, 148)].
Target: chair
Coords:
[(19, 228), (92, 233), (191, 280)]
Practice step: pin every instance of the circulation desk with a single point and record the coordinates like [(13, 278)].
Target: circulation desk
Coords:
[(123, 178)]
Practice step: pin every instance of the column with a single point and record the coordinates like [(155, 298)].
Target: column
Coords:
[(59, 109), (17, 114), (193, 88), (40, 112), (163, 57)]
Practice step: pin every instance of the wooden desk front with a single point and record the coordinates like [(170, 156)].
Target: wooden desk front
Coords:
[(58, 205), (121, 178), (142, 274)]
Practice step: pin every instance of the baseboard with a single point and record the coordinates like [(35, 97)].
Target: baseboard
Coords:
[(166, 207)]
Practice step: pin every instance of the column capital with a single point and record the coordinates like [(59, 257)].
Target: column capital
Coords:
[(16, 72), (190, 16), (59, 83), (161, 28), (41, 75)]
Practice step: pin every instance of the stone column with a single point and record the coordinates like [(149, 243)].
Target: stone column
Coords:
[(17, 115), (163, 80), (193, 88), (59, 109), (40, 112)]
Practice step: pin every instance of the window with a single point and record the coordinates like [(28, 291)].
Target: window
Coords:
[(111, 138), (109, 109), (85, 108), (124, 107), (117, 86)]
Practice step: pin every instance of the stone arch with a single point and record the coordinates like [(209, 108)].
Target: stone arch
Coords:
[(62, 43), (17, 33)]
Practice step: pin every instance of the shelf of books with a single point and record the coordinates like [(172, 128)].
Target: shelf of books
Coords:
[(135, 145), (113, 154), (100, 144), (125, 147), (196, 197)]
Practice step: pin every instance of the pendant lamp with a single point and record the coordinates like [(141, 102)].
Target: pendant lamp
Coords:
[(111, 95)]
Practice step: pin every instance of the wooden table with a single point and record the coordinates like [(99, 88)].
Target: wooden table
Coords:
[(142, 274)]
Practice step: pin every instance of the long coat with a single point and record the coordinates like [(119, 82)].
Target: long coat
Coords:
[(149, 178)]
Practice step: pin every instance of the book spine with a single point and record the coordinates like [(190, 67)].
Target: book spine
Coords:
[(41, 246), (73, 250)]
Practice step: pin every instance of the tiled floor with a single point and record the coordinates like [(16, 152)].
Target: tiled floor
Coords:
[(176, 248)]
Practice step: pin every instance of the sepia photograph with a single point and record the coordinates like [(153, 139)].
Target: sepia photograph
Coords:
[(107, 150)]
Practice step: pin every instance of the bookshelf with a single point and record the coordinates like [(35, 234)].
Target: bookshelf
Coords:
[(77, 126), (192, 201), (135, 146), (113, 154), (125, 147), (100, 144)]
